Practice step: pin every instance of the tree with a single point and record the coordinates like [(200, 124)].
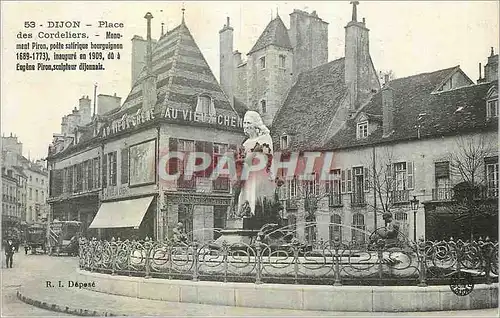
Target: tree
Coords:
[(472, 199)]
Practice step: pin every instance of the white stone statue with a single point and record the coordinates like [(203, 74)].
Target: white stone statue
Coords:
[(260, 184)]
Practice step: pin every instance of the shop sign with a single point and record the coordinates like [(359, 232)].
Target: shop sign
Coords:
[(191, 116), (127, 121)]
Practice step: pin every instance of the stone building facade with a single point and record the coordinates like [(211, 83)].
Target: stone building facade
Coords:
[(112, 177), (275, 61), (417, 127)]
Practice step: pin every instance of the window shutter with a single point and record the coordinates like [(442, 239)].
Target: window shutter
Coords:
[(79, 178), (173, 162), (367, 179), (124, 165), (349, 180), (104, 170), (442, 170), (209, 149), (409, 166), (199, 146), (91, 168), (342, 180)]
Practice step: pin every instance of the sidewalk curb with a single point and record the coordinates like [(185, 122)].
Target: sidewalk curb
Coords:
[(66, 309)]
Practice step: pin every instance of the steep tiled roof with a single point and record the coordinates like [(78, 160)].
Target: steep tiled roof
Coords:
[(311, 104), (449, 112), (274, 34), (182, 74)]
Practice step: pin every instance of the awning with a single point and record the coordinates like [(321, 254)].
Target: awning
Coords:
[(127, 213)]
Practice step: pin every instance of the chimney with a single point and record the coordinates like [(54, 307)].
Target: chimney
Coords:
[(491, 68), (227, 60), (387, 109), (139, 47), (85, 110), (149, 83), (107, 103), (359, 74)]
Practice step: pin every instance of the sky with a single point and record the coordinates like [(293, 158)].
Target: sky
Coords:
[(407, 37)]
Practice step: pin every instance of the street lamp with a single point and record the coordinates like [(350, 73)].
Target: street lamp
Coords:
[(414, 206)]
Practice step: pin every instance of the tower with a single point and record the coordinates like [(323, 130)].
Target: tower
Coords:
[(309, 39), (269, 70), (360, 75), (227, 68)]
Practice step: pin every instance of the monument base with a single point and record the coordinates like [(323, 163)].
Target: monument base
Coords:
[(238, 231)]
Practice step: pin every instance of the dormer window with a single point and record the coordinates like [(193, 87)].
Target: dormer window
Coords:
[(205, 105), (284, 142), (262, 62), (492, 108), (362, 130), (263, 106), (282, 61), (492, 103)]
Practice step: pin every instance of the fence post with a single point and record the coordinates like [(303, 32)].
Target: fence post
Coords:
[(195, 261), (258, 279), (423, 263), (295, 250), (336, 259), (147, 247), (114, 254), (225, 249), (487, 251), (380, 247)]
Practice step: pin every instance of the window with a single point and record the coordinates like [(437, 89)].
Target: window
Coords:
[(31, 178), (492, 108), (263, 106), (335, 227), (262, 62), (43, 196), (312, 185), (36, 180), (36, 195), (282, 61), (30, 196), (204, 104), (358, 231), (43, 182), (96, 174), (185, 146), (284, 142), (292, 187), (334, 185), (492, 176), (112, 168), (403, 176), (362, 131)]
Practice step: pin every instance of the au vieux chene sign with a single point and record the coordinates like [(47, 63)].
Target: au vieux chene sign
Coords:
[(128, 121)]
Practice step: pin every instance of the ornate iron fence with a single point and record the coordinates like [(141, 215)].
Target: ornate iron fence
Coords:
[(378, 262)]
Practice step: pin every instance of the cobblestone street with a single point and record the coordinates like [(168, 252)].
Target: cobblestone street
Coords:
[(31, 272)]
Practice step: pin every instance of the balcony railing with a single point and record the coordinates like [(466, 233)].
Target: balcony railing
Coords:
[(442, 194), (400, 196), (335, 199), (358, 199), (221, 184), (183, 184)]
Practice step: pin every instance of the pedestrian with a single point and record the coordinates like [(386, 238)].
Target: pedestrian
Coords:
[(9, 252), (26, 248)]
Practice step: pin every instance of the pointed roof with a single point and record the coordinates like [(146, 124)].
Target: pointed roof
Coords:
[(182, 74), (275, 33), (311, 104)]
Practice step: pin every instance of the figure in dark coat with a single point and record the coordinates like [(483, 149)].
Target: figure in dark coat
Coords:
[(9, 253)]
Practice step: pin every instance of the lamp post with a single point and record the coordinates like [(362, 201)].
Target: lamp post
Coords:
[(414, 206)]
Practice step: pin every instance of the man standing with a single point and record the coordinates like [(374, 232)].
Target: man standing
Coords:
[(9, 252)]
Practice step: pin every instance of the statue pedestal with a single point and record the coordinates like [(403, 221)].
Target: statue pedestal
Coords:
[(238, 231)]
